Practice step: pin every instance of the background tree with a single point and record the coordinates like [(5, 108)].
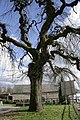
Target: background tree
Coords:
[(49, 33)]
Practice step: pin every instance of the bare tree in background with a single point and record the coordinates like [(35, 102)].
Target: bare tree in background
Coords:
[(49, 33)]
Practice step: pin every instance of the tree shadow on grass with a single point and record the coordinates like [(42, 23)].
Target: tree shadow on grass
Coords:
[(62, 116), (69, 113), (13, 112)]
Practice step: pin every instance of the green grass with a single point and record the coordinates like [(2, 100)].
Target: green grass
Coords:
[(9, 105), (52, 112)]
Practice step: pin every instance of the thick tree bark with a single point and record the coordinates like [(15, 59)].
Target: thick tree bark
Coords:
[(35, 75)]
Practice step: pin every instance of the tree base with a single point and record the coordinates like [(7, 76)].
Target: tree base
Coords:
[(38, 109)]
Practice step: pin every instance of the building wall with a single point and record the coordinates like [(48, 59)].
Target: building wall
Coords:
[(47, 97), (51, 97), (20, 97), (22, 92)]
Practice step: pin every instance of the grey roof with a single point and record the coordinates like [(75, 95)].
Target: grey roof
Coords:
[(21, 89), (49, 88), (26, 88)]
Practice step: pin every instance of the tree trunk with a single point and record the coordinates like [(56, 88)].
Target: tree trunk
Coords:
[(35, 75)]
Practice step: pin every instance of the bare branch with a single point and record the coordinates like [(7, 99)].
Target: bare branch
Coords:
[(51, 66), (15, 42), (68, 57), (4, 31), (5, 38), (50, 12), (64, 33), (72, 4)]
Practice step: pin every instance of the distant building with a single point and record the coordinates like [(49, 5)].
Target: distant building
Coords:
[(50, 93), (5, 92), (6, 96)]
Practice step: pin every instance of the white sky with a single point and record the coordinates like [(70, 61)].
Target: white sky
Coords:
[(74, 21), (8, 72), (74, 16)]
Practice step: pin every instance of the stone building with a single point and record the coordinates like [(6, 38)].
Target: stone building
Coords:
[(49, 93)]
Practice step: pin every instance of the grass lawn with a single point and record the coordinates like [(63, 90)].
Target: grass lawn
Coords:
[(52, 112)]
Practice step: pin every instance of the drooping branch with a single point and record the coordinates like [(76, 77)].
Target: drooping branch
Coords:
[(64, 4), (63, 1), (3, 31), (20, 6), (4, 38), (23, 2), (21, 60), (51, 14), (15, 42), (60, 71), (22, 21), (51, 66), (67, 57), (72, 4), (63, 33)]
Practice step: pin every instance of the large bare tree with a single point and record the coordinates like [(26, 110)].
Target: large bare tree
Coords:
[(49, 33)]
